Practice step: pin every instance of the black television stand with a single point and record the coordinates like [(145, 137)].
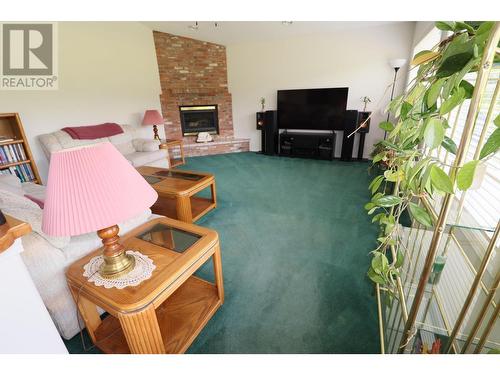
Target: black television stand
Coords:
[(307, 145)]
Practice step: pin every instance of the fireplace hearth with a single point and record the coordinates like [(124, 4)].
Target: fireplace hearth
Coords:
[(199, 118)]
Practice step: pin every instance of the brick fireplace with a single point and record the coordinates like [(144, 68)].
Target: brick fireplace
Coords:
[(193, 73)]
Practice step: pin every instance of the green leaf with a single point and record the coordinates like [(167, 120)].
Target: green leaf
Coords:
[(496, 121), (396, 129), (458, 53), (369, 206), (459, 26), (420, 214), (405, 109), (449, 145), (416, 169), (387, 201), (466, 69), (416, 93), (454, 100), (424, 57), (395, 105), (425, 182), (434, 91), (375, 277), (377, 217), (399, 259), (448, 86), (483, 32), (465, 175), (393, 176), (454, 64), (468, 88), (433, 133), (375, 184), (445, 25), (492, 144), (380, 263), (440, 180), (378, 157), (386, 125)]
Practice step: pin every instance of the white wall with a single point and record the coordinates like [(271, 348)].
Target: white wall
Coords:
[(107, 72), (422, 28), (357, 59)]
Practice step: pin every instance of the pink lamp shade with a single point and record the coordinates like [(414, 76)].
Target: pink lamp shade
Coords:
[(152, 117), (91, 188)]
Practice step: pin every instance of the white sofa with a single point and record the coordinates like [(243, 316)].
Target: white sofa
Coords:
[(139, 151), (48, 257)]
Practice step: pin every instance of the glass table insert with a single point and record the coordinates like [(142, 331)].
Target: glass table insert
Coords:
[(171, 238)]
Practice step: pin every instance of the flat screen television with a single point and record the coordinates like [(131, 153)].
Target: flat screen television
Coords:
[(312, 109)]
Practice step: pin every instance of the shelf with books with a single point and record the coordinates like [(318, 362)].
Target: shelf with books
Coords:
[(7, 165), (15, 154), (11, 142)]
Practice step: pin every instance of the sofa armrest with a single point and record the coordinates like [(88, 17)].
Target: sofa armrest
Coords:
[(145, 145), (49, 143)]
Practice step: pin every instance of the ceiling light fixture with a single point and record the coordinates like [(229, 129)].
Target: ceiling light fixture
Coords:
[(196, 26)]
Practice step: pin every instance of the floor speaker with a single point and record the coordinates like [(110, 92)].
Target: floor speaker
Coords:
[(350, 124), (260, 120), (270, 133)]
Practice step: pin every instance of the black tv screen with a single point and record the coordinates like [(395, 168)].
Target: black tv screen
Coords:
[(312, 109)]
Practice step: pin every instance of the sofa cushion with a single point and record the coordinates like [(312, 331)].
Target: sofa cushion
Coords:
[(144, 145), (10, 182), (65, 140), (123, 142), (141, 158)]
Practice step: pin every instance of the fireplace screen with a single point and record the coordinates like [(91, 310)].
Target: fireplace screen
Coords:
[(196, 119)]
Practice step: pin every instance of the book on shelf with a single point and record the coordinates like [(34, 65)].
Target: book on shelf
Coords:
[(22, 171), (12, 153)]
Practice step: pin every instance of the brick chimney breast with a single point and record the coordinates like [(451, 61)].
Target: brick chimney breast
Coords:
[(194, 72)]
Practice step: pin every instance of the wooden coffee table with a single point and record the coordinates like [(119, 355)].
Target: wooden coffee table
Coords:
[(164, 313), (177, 192)]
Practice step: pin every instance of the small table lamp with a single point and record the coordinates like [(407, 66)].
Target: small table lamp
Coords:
[(153, 117), (92, 188)]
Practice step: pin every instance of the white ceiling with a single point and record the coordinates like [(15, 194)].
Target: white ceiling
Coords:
[(232, 32)]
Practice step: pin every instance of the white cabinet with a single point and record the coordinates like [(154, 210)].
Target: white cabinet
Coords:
[(25, 324)]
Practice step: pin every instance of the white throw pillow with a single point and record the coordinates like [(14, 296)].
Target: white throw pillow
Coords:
[(146, 145)]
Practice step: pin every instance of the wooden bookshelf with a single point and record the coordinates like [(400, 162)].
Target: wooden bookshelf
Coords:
[(11, 128)]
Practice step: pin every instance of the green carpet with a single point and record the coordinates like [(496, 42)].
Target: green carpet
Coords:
[(295, 241)]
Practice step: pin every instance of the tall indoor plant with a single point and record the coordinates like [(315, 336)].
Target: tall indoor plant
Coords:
[(410, 168)]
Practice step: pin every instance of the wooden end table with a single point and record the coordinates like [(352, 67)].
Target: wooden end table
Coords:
[(177, 192), (165, 313), (168, 145)]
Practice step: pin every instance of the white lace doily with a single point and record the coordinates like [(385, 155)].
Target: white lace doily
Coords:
[(142, 271)]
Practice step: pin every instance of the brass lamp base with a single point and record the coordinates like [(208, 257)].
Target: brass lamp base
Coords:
[(114, 267), (155, 131), (116, 262)]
